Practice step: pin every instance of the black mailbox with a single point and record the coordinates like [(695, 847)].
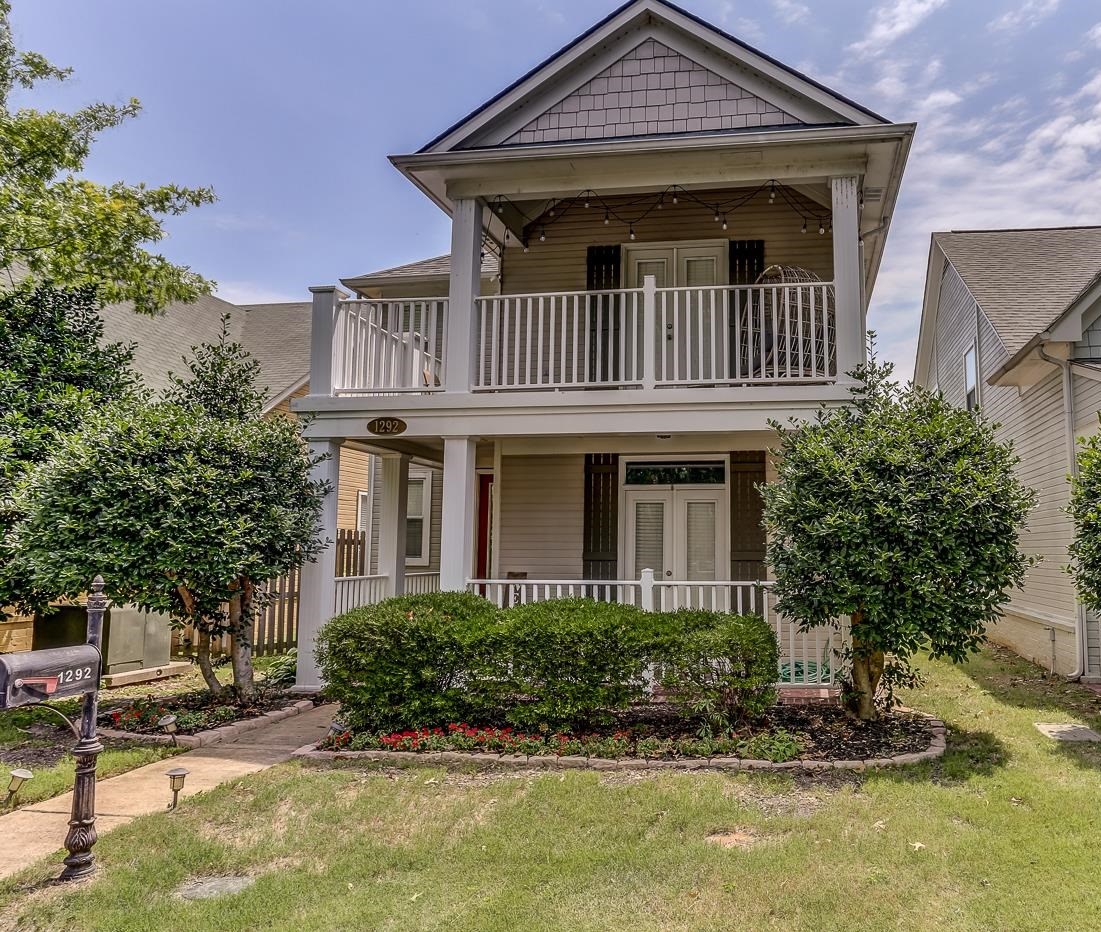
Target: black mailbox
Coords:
[(41, 675)]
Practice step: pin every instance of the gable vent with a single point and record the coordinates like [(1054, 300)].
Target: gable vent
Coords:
[(872, 195)]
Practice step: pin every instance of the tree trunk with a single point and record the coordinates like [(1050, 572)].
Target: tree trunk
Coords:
[(867, 671), (202, 657), (240, 619)]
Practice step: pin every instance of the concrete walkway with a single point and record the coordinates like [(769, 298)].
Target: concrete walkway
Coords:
[(39, 830)]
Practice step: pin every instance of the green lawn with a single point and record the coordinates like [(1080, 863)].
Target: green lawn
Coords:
[(1005, 833)]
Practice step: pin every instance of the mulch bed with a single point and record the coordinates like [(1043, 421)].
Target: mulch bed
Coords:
[(828, 733), (195, 711)]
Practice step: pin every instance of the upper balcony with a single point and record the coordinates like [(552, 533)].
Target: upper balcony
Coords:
[(626, 338)]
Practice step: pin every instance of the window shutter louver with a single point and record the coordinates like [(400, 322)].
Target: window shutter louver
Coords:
[(600, 556), (747, 260)]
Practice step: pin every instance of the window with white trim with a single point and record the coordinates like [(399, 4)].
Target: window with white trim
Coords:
[(418, 521), (971, 378), (363, 511)]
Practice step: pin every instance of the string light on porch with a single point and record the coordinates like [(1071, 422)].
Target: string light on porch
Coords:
[(631, 213)]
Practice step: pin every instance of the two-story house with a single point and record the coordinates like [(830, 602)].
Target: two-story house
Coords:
[(1012, 326), (662, 239)]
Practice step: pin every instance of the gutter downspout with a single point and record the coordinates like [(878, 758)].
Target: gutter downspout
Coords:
[(1080, 646)]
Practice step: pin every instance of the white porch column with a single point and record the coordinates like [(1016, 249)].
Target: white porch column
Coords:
[(317, 592), (466, 280), (394, 487), (459, 515), (847, 273), (326, 338)]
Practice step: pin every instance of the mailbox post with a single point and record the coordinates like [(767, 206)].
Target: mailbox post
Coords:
[(37, 676), (82, 821)]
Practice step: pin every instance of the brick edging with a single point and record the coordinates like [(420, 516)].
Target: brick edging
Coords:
[(539, 761), (203, 739)]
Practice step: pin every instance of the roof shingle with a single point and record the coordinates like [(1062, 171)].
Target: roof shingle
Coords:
[(1024, 279)]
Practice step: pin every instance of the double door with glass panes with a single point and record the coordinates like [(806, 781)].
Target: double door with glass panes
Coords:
[(679, 529)]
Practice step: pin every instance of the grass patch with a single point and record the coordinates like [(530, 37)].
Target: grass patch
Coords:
[(1001, 834)]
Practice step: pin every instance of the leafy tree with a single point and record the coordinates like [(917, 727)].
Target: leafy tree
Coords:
[(1085, 511), (53, 369), (904, 513), (69, 231), (184, 509)]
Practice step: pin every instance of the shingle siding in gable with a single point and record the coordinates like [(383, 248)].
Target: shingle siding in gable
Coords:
[(652, 90)]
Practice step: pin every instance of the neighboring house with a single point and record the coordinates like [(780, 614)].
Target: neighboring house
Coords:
[(661, 239), (277, 336), (1012, 325)]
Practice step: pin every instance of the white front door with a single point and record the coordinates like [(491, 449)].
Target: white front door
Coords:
[(679, 533), (698, 265)]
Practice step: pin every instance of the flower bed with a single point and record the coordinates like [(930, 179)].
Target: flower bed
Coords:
[(195, 712), (785, 733)]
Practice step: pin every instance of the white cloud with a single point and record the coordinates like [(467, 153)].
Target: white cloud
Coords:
[(741, 26), (1030, 13), (791, 11), (246, 292), (892, 21), (1094, 35), (997, 170)]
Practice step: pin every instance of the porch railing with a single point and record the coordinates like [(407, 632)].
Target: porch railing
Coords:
[(807, 659), (384, 347), (577, 339), (354, 591), (418, 583)]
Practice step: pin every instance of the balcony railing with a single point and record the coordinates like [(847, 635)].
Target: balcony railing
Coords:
[(383, 347), (625, 338)]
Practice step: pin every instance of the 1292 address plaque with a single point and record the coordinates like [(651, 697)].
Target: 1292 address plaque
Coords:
[(386, 426)]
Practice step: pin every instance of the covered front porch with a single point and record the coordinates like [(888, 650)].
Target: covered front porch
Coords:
[(662, 523)]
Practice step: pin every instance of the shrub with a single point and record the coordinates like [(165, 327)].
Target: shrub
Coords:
[(283, 671), (412, 661), (575, 661), (721, 668)]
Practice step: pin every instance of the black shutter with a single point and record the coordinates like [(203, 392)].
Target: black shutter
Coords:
[(602, 268), (600, 554), (747, 260), (747, 533), (603, 273)]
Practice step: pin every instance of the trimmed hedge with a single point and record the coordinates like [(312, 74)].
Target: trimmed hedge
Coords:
[(575, 661), (411, 661), (434, 659), (720, 668)]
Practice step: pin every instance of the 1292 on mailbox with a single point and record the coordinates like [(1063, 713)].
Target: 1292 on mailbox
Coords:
[(41, 675)]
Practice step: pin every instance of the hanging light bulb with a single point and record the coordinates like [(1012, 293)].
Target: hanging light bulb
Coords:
[(661, 201), (543, 235), (717, 217), (525, 245), (821, 228), (772, 193), (861, 202), (632, 233), (724, 221), (552, 208), (674, 197), (804, 230), (586, 203), (606, 221), (500, 206)]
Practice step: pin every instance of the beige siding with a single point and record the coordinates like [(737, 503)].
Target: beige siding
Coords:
[(436, 510), (652, 89), (354, 478), (558, 264), (1033, 421), (957, 321), (284, 407), (542, 503)]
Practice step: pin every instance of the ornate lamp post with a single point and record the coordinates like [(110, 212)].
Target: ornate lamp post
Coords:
[(82, 822)]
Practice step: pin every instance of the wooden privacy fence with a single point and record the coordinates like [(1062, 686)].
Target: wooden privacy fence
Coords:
[(275, 629)]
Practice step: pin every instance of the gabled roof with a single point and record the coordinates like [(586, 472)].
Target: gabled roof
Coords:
[(1024, 279), (276, 335), (497, 121), (437, 268)]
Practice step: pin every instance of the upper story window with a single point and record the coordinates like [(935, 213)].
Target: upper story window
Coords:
[(971, 378)]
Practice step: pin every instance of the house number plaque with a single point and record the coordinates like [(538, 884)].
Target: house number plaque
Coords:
[(386, 426)]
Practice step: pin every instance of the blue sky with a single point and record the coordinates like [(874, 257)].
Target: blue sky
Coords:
[(289, 109)]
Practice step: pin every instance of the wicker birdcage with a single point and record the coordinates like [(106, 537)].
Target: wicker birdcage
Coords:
[(793, 329)]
